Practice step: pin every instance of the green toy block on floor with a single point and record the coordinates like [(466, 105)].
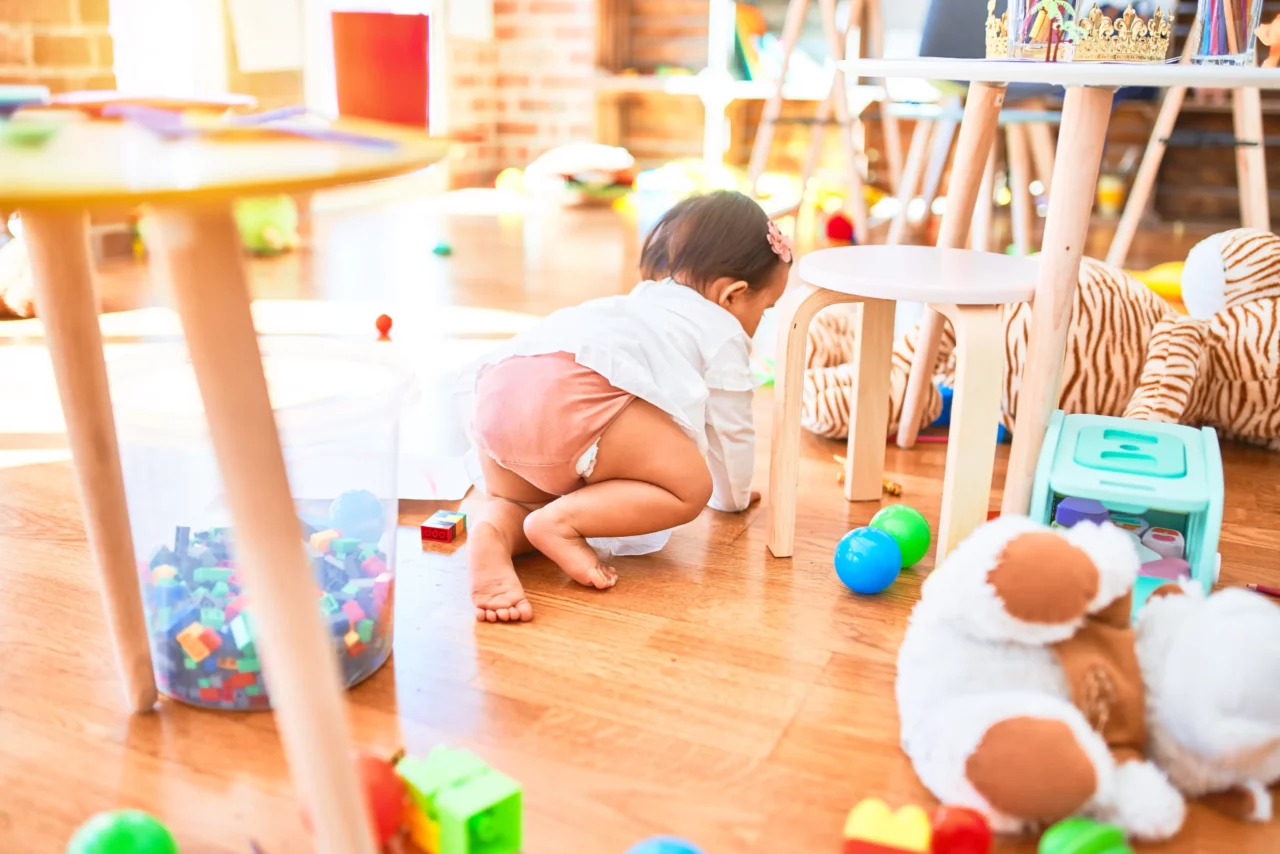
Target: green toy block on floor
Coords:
[(477, 809)]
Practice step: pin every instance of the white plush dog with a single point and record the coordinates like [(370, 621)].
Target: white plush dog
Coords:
[(17, 290), (1025, 693)]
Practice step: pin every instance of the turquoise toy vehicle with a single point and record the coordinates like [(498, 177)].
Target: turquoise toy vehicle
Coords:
[(1162, 482)]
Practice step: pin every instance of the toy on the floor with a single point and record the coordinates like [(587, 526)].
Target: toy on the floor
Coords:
[(383, 325), (888, 487), (122, 832), (1083, 836), (444, 526), (442, 250), (385, 795), (1164, 279), (17, 283), (960, 830), (1162, 482), (581, 174), (459, 805), (204, 642), (867, 560), (1025, 692), (510, 180), (909, 529), (873, 828), (268, 224), (1128, 351), (664, 845)]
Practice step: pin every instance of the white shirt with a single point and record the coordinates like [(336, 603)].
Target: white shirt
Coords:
[(668, 345)]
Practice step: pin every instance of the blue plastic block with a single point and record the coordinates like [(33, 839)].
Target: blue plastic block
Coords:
[(944, 420)]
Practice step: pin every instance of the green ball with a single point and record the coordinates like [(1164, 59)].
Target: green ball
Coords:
[(909, 529), (122, 832)]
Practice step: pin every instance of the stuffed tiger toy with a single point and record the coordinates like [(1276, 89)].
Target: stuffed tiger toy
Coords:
[(1129, 353)]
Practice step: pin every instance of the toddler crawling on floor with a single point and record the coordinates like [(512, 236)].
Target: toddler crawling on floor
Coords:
[(625, 416)]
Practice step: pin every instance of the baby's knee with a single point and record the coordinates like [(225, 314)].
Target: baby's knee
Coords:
[(694, 492)]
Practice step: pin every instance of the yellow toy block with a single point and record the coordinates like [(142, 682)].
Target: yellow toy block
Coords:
[(320, 540), (878, 828), (160, 573), (424, 832), (189, 639)]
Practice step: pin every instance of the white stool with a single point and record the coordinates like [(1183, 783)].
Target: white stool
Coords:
[(967, 288)]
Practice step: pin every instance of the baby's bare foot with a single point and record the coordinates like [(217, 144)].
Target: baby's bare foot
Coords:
[(495, 589), (550, 535)]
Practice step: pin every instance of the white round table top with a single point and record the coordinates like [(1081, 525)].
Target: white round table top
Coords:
[(1101, 74), (922, 274)]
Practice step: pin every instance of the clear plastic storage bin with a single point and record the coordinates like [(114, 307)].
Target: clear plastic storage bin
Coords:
[(338, 411)]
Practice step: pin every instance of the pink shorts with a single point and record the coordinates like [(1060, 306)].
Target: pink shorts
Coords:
[(541, 416)]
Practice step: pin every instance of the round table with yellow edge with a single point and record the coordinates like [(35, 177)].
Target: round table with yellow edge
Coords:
[(189, 185)]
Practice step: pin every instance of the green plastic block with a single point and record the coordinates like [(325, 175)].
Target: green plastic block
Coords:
[(1083, 836), (346, 544), (222, 590), (364, 628), (252, 690), (242, 634), (350, 589), (328, 604), (210, 574), (213, 618), (188, 662), (202, 682), (368, 552), (478, 809), (249, 665)]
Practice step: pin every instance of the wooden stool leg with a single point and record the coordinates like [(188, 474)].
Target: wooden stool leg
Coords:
[(1251, 161), (975, 416), (58, 245), (795, 311), (1041, 137), (980, 233), (198, 251), (977, 133), (869, 401), (911, 174), (1021, 211), (1145, 181)]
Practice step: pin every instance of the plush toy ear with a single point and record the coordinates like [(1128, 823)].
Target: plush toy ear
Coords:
[(1204, 278)]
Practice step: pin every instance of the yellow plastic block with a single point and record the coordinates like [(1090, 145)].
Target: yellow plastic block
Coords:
[(424, 832), (905, 830), (351, 638), (162, 572), (189, 638), (320, 540)]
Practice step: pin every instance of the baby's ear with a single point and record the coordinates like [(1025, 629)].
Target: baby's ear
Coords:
[(732, 292)]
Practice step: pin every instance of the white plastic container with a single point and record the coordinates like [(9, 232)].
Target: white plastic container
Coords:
[(338, 411)]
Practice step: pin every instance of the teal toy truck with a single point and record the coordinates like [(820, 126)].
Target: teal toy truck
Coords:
[(1161, 482)]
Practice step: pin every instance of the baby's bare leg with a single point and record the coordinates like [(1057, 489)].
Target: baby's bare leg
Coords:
[(648, 477), (496, 535)]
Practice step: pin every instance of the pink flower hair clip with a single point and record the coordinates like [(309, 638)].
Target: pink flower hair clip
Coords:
[(780, 243)]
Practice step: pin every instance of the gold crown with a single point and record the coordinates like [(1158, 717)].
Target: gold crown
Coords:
[(1097, 38)]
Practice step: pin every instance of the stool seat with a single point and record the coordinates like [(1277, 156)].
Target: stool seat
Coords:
[(922, 274)]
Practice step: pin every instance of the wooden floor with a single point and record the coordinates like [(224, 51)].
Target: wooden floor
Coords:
[(717, 693)]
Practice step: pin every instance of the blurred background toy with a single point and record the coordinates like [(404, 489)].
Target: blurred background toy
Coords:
[(122, 832), (867, 560), (581, 174), (268, 224)]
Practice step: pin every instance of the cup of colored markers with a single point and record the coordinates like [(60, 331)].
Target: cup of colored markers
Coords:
[(1225, 32)]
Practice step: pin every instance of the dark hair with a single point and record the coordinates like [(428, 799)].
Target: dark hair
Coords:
[(706, 237)]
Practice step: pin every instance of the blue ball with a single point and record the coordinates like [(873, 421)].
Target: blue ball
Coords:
[(867, 560), (358, 513), (664, 845)]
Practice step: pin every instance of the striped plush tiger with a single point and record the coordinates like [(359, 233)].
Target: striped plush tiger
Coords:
[(1128, 352)]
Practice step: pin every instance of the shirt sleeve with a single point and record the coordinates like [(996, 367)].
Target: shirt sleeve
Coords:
[(731, 449)]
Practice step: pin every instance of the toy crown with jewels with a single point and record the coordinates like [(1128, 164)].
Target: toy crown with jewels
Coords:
[(1096, 38)]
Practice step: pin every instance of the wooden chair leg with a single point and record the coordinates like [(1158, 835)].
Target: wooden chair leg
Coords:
[(1251, 162), (1021, 209), (975, 416), (1144, 182), (910, 183), (198, 252), (58, 245), (795, 312), (1042, 153), (791, 29), (977, 134), (869, 401), (980, 232)]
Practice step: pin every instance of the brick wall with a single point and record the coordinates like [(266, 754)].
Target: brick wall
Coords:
[(62, 44), (527, 91)]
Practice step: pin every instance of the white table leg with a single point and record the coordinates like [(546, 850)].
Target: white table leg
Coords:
[(869, 401), (975, 416), (795, 311), (198, 251), (977, 134), (58, 244), (1085, 115)]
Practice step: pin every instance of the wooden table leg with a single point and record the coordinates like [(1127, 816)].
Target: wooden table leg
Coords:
[(1085, 115), (62, 269), (975, 417), (980, 231), (869, 401), (1022, 206), (977, 134), (910, 182), (795, 311), (198, 252), (1251, 160)]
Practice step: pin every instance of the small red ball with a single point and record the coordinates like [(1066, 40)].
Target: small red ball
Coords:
[(960, 830), (839, 228), (384, 793), (383, 324)]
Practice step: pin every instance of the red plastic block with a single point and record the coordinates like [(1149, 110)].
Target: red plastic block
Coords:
[(209, 695), (239, 680), (234, 607), (210, 639), (434, 531), (859, 846), (261, 701)]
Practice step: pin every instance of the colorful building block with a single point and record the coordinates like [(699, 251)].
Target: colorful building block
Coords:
[(210, 638), (353, 611), (248, 665), (242, 634), (364, 628), (162, 572), (321, 540), (477, 810), (1165, 542), (1135, 525), (192, 642), (345, 545), (1083, 836), (444, 526), (872, 828), (373, 566)]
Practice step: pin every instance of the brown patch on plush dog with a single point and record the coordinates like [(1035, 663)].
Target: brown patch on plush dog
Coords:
[(1032, 769), (1166, 590), (1042, 578), (1239, 803)]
